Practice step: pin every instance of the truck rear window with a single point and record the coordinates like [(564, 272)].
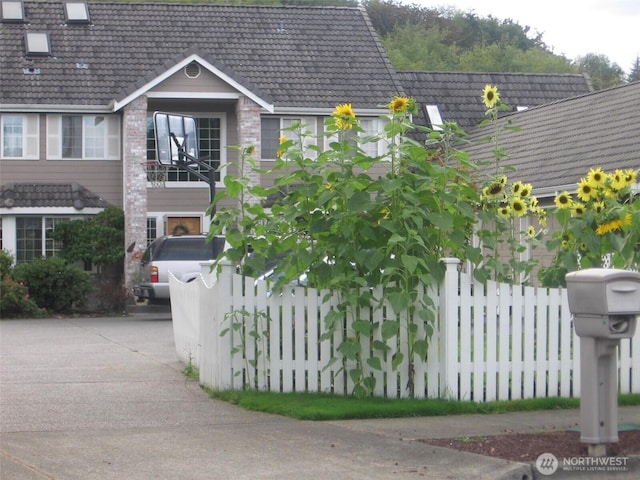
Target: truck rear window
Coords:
[(188, 249)]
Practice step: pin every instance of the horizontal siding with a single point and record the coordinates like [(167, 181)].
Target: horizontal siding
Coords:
[(103, 178), (206, 82)]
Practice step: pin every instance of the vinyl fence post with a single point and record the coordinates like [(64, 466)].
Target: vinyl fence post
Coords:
[(449, 299)]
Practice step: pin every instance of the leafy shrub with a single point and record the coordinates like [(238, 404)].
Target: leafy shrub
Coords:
[(99, 241), (54, 284), (6, 263), (15, 300)]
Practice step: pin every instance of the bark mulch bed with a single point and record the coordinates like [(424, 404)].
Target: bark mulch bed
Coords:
[(526, 447)]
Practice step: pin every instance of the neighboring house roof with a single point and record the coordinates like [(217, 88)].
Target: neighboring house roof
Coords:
[(458, 95), (297, 57), (38, 195), (558, 143)]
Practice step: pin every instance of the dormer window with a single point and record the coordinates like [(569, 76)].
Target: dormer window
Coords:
[(12, 12), (76, 12), (37, 44)]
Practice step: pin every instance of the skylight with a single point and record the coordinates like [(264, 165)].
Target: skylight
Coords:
[(433, 115), (12, 12), (37, 44), (76, 12)]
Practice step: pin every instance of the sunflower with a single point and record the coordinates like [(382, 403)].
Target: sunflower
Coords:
[(531, 231), (490, 96), (618, 180), (586, 191), (525, 190), (596, 177), (502, 179), (516, 187), (344, 116), (518, 207), (578, 209), (630, 176), (493, 190), (504, 211), (598, 207), (615, 224), (399, 104), (563, 200)]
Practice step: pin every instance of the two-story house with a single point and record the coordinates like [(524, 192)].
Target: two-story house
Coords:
[(79, 83)]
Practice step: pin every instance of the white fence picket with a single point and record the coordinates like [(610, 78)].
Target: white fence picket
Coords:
[(490, 341)]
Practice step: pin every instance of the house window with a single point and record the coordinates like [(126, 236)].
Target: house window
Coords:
[(152, 229), (83, 137), (369, 140), (210, 143), (34, 237), (19, 136), (272, 128)]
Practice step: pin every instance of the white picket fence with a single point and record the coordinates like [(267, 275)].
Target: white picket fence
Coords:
[(490, 342)]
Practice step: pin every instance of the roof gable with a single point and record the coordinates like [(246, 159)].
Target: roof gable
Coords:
[(558, 143), (284, 56), (136, 91), (458, 95)]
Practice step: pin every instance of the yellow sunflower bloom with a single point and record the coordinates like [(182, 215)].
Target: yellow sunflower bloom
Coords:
[(502, 179), (490, 96), (399, 104), (596, 177), (516, 187), (631, 176), (504, 211), (586, 191), (531, 231), (525, 190), (518, 207), (344, 116), (493, 190), (615, 224), (598, 207), (577, 209), (563, 200), (618, 180)]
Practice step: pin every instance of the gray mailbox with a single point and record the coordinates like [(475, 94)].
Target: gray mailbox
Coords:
[(605, 304)]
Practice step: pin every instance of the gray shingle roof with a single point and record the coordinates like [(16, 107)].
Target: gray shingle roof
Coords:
[(292, 56), (15, 195), (558, 143), (458, 95)]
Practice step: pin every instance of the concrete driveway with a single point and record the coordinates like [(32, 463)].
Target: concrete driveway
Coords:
[(105, 398)]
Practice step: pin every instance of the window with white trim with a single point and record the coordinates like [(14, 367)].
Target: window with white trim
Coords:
[(34, 237), (371, 146), (83, 137), (372, 141), (19, 136), (272, 128), (210, 143)]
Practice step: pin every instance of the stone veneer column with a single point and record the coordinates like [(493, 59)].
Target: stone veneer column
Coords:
[(134, 127), (248, 115)]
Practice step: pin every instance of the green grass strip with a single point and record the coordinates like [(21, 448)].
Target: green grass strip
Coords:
[(321, 406)]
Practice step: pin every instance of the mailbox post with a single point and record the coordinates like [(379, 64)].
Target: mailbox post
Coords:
[(604, 304)]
